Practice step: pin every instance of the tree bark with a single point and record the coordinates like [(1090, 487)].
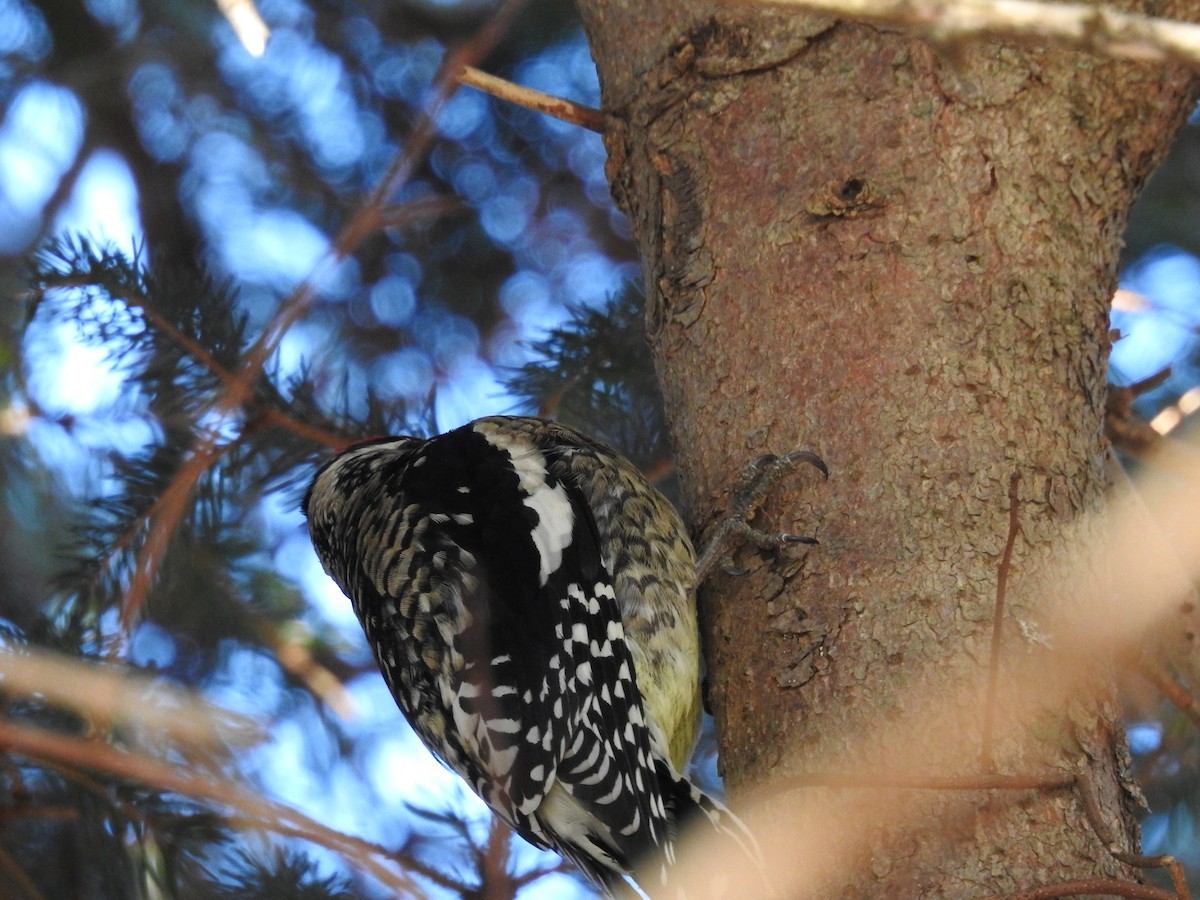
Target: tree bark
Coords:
[(900, 256)]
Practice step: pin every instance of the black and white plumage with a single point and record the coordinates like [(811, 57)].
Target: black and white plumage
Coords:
[(529, 598)]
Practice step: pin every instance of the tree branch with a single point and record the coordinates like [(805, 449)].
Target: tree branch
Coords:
[(1175, 692), (1088, 887), (986, 753), (1081, 26), (41, 745), (1091, 808), (164, 518), (18, 877), (102, 692), (566, 110), (900, 782)]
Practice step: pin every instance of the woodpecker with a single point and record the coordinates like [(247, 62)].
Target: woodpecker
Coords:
[(530, 600)]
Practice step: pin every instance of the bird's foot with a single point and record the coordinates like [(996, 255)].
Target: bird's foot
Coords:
[(751, 489)]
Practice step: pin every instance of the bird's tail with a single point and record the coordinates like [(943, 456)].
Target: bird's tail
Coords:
[(692, 812)]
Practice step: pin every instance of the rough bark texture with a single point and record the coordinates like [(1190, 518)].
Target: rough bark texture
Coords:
[(901, 257)]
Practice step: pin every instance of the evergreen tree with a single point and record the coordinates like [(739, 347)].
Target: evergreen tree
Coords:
[(335, 241)]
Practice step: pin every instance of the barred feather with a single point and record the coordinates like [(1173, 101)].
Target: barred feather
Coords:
[(528, 597)]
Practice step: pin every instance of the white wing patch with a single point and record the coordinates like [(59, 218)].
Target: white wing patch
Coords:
[(556, 519)]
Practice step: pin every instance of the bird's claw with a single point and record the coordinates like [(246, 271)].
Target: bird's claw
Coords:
[(751, 488), (807, 456), (797, 539)]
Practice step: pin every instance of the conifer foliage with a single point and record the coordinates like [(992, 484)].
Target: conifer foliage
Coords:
[(186, 713)]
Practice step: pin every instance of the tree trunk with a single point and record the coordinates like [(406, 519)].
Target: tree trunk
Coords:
[(902, 258)]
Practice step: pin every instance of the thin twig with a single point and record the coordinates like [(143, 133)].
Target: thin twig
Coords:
[(659, 470), (421, 210), (287, 422), (122, 543), (37, 744), (1150, 382), (18, 877), (496, 882), (170, 509), (28, 811), (1097, 29), (894, 781), (278, 417), (1175, 692), (533, 875), (409, 863), (987, 759), (96, 789), (434, 875), (566, 110), (193, 348), (99, 691), (1091, 809), (1090, 887), (161, 523), (298, 661)]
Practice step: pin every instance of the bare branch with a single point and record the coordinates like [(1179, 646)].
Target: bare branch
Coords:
[(297, 660), (566, 110), (38, 745), (1091, 808), (112, 694), (18, 877), (903, 782), (1175, 692), (987, 758), (1089, 887), (161, 523), (163, 520), (1098, 29)]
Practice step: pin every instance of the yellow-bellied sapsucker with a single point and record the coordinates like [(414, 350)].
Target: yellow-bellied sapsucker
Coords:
[(530, 600)]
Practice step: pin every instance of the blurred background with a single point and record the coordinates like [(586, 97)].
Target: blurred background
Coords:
[(232, 240)]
